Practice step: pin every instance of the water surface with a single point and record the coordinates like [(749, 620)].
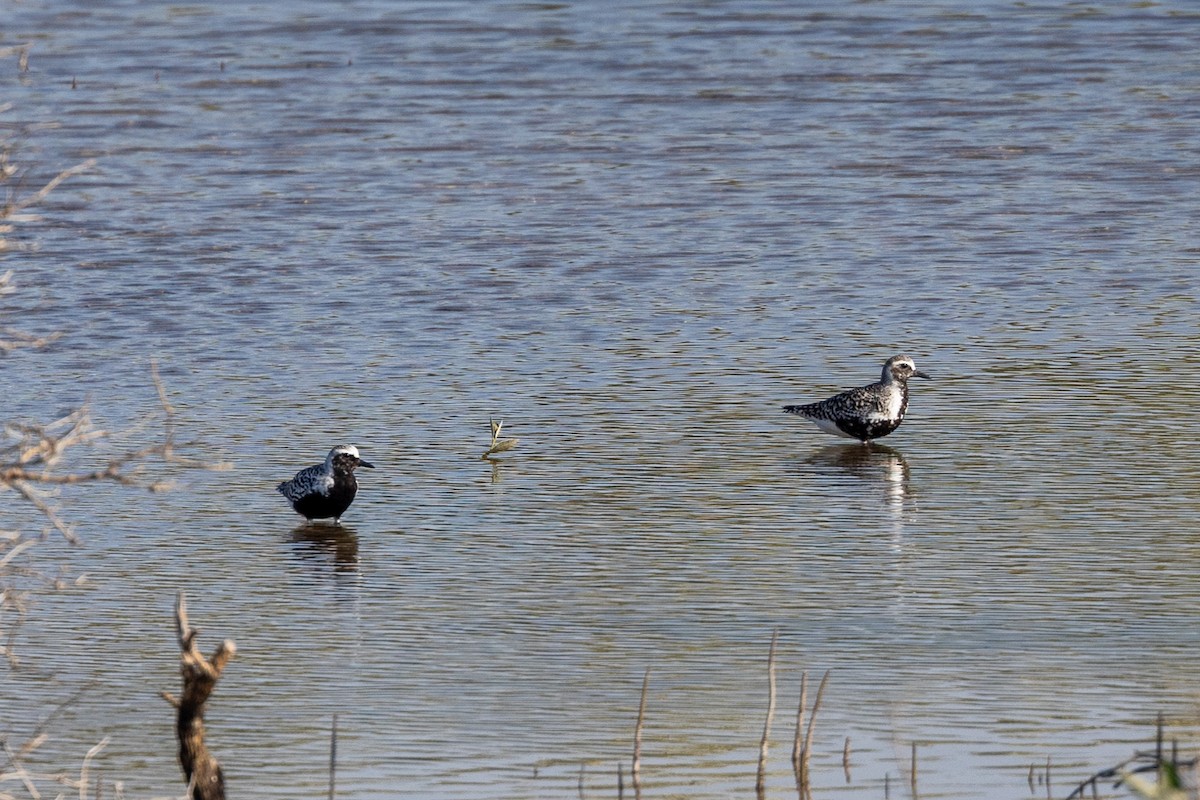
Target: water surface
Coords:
[(632, 231)]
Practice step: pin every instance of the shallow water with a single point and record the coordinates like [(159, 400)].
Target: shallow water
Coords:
[(632, 231)]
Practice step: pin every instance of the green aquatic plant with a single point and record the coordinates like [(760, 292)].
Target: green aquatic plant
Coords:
[(1166, 765), (498, 445), (1169, 786)]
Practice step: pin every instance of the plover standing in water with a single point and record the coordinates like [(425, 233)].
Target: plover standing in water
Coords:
[(325, 490), (867, 412)]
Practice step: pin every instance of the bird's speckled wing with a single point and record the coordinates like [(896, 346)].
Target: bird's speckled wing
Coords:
[(312, 480), (863, 402)]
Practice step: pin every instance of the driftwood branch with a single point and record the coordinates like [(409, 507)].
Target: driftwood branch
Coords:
[(200, 675)]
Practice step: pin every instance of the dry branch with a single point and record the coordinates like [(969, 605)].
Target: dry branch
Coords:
[(14, 339), (200, 675), (1139, 763), (21, 51), (636, 766), (14, 208), (14, 770), (30, 458), (32, 452), (798, 741), (846, 759), (760, 782), (912, 774), (333, 760), (802, 750), (51, 185)]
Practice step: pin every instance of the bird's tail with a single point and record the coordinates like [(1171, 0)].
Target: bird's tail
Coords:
[(282, 488), (795, 410)]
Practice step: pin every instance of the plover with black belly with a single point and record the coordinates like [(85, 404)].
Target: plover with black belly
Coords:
[(325, 490), (867, 412)]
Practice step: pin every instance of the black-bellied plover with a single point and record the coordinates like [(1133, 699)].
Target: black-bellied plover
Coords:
[(325, 490), (867, 412)]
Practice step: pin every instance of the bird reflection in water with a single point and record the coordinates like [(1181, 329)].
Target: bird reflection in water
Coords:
[(320, 540), (877, 464), (873, 462)]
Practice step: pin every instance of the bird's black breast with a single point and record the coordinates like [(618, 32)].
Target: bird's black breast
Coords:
[(863, 429), (334, 504)]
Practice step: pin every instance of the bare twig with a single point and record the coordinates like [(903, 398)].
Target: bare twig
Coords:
[(16, 208), (798, 739), (87, 760), (35, 449), (846, 759), (14, 339), (162, 390), (19, 770), (760, 782), (333, 759), (1139, 763), (29, 493), (912, 773), (812, 722), (40, 195), (21, 51), (636, 767), (801, 762)]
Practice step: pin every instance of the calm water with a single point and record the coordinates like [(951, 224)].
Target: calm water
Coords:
[(632, 231)]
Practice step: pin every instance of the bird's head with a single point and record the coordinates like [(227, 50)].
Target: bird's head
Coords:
[(345, 458), (900, 369)]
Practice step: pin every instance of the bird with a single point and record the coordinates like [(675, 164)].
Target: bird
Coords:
[(325, 490), (867, 412)]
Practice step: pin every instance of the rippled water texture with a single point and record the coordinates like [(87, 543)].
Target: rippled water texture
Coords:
[(633, 231)]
